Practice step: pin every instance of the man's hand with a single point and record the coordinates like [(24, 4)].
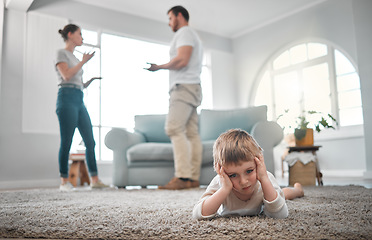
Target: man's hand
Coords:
[(153, 67)]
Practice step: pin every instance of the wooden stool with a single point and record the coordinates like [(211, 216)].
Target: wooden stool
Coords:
[(78, 169), (308, 172)]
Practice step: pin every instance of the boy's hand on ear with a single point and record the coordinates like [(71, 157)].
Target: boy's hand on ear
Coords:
[(261, 168), (270, 194), (225, 180)]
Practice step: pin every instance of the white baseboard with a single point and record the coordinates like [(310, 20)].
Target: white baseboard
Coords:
[(360, 174), (367, 175), (45, 183), (343, 173), (30, 184)]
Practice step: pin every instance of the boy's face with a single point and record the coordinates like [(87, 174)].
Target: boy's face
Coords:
[(243, 177)]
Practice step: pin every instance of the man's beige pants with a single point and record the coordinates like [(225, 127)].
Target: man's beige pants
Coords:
[(182, 127)]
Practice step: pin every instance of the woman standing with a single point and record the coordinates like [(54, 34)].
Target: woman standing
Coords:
[(71, 110)]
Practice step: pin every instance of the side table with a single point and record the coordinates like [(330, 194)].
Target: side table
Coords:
[(78, 169), (313, 150)]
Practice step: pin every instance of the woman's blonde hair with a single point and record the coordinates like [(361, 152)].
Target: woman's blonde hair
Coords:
[(233, 146)]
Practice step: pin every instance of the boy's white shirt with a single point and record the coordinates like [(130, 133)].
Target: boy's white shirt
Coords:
[(254, 206)]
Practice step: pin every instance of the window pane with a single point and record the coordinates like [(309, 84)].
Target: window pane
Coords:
[(89, 37), (287, 92), (282, 61), (206, 83), (128, 89), (349, 99), (264, 95), (317, 88), (343, 65), (351, 116), (316, 50), (98, 143), (348, 82), (77, 145), (298, 54)]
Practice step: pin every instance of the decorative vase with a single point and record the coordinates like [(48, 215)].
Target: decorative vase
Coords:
[(307, 137)]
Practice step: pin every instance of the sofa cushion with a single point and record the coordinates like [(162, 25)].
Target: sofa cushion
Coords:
[(150, 152), (152, 127), (162, 152), (215, 122), (208, 152)]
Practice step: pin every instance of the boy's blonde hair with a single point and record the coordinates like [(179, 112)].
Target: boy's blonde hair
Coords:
[(234, 146)]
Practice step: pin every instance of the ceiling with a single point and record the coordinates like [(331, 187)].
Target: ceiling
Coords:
[(227, 18)]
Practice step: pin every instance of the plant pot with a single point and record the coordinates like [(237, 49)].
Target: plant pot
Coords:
[(307, 140)]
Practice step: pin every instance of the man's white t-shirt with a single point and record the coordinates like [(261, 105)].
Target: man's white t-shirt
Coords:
[(190, 74)]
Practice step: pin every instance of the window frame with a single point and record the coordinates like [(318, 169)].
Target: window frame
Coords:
[(343, 131)]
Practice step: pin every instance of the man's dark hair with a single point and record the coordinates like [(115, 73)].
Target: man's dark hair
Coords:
[(179, 9)]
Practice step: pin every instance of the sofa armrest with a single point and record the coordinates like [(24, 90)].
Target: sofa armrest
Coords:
[(268, 134), (121, 139)]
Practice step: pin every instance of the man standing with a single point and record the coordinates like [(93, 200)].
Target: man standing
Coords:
[(182, 123)]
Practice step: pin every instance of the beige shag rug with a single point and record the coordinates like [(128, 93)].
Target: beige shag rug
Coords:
[(329, 212)]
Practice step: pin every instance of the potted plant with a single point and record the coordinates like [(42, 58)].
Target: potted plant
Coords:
[(304, 135)]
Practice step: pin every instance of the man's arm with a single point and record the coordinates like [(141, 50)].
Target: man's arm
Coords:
[(178, 62)]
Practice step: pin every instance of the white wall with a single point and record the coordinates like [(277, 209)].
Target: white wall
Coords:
[(29, 138), (333, 21), (363, 31)]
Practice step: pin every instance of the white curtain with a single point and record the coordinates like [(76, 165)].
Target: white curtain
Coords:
[(1, 36), (40, 79)]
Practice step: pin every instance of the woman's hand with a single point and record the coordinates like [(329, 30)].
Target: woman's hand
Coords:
[(87, 57), (90, 81)]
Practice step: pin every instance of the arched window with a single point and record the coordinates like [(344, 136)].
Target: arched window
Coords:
[(311, 77)]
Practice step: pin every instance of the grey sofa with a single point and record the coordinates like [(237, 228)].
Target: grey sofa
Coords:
[(145, 157)]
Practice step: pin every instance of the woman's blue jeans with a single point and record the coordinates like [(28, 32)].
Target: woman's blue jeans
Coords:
[(72, 114)]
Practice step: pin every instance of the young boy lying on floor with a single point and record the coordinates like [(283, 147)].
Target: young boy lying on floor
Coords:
[(242, 186)]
